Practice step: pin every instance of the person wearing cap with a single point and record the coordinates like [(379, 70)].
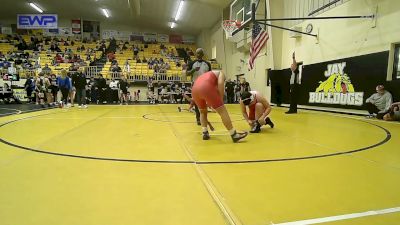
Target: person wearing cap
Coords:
[(379, 103), (194, 70), (259, 109)]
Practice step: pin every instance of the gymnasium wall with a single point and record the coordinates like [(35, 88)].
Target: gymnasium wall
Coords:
[(104, 25), (346, 38), (365, 48), (338, 39)]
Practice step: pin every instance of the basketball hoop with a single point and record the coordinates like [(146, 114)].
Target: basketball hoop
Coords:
[(229, 26)]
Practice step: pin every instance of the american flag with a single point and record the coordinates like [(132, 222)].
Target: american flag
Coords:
[(259, 38)]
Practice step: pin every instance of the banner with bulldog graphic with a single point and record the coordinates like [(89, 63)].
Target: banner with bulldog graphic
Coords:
[(342, 83)]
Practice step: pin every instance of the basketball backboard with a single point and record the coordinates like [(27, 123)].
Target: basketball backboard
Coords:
[(240, 10)]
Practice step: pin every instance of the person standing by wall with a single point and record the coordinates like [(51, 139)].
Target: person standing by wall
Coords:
[(29, 87), (230, 91), (244, 86), (294, 86), (80, 84)]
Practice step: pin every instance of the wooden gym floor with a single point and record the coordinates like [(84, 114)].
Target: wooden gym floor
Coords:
[(148, 165)]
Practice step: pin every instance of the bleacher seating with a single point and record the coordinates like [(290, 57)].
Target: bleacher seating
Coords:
[(148, 51)]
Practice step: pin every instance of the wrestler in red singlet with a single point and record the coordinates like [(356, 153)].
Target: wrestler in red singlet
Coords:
[(208, 89)]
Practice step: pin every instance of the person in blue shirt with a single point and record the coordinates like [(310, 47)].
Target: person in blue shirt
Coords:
[(64, 84)]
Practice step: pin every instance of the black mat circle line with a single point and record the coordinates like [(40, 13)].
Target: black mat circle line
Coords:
[(148, 117), (386, 139), (14, 112)]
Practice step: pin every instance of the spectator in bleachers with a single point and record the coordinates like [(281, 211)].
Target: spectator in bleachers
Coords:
[(73, 68), (22, 45), (29, 88), (394, 112), (115, 68), (11, 70), (58, 58), (150, 63), (161, 68), (156, 68), (64, 83), (144, 60), (127, 67), (28, 65), (135, 51), (111, 56), (54, 48), (379, 103), (138, 60)]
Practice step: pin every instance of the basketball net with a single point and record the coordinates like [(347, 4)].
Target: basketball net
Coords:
[(229, 26)]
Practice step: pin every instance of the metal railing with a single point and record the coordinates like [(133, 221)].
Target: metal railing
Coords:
[(139, 77), (91, 71), (27, 73)]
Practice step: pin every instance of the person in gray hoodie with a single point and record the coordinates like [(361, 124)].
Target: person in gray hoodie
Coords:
[(379, 103)]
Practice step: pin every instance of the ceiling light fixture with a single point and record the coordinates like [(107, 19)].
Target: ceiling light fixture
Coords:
[(173, 25), (179, 12), (105, 12), (33, 5)]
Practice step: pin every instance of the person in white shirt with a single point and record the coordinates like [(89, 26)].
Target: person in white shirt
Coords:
[(114, 90), (379, 103), (12, 70), (127, 67)]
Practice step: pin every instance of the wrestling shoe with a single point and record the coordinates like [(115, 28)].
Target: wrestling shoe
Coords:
[(206, 135), (269, 122), (238, 135), (256, 128)]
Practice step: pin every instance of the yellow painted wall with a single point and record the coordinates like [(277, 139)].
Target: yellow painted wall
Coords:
[(347, 38)]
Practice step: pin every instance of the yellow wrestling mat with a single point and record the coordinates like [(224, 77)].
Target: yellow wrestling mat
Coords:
[(148, 165)]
